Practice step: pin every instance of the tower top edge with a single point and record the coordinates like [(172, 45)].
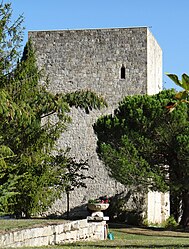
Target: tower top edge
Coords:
[(92, 29)]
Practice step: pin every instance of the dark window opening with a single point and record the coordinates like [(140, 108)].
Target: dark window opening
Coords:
[(122, 72)]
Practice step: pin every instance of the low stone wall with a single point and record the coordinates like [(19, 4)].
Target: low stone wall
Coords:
[(54, 234)]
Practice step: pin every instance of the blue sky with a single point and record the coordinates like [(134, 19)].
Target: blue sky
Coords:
[(168, 21)]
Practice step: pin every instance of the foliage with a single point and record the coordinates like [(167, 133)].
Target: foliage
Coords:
[(71, 174), (31, 121), (181, 96), (29, 140), (92, 101), (170, 223), (101, 199), (184, 82), (143, 145), (11, 36)]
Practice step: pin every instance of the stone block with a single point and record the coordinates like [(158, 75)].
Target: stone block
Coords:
[(67, 227), (58, 229), (83, 223), (75, 225)]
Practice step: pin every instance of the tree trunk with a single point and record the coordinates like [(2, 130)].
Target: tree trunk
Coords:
[(18, 215), (185, 207), (176, 205), (68, 204)]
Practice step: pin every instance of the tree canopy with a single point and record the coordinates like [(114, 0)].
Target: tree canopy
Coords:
[(144, 144), (31, 121)]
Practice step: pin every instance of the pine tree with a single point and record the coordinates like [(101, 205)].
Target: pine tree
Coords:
[(143, 144), (31, 121), (10, 38)]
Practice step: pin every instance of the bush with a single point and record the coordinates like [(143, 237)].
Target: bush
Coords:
[(170, 223)]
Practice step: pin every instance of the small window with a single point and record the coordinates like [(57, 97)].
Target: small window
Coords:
[(122, 72)]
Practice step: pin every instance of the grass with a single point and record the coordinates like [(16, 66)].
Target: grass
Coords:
[(14, 224), (125, 237), (135, 238)]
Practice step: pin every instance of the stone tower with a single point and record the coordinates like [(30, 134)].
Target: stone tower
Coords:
[(111, 62)]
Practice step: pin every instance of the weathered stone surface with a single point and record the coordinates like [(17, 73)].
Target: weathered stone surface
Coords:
[(54, 234), (75, 225), (92, 59), (159, 208)]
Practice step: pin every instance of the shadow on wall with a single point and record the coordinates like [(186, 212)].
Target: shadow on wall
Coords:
[(78, 212), (127, 208), (124, 207)]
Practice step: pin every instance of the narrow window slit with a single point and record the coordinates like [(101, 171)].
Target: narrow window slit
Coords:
[(122, 72)]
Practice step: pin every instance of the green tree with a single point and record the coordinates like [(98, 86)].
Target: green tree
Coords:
[(142, 144), (72, 174), (31, 121), (11, 36)]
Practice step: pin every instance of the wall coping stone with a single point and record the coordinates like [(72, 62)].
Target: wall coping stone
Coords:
[(54, 234)]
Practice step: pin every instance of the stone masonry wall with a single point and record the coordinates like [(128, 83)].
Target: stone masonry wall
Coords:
[(154, 65), (92, 59), (54, 234)]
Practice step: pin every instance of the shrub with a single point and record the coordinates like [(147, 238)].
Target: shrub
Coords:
[(170, 223)]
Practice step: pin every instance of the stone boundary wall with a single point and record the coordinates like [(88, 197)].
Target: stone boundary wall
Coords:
[(54, 234)]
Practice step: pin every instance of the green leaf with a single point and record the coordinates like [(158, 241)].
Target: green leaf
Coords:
[(181, 95), (174, 78), (185, 81)]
